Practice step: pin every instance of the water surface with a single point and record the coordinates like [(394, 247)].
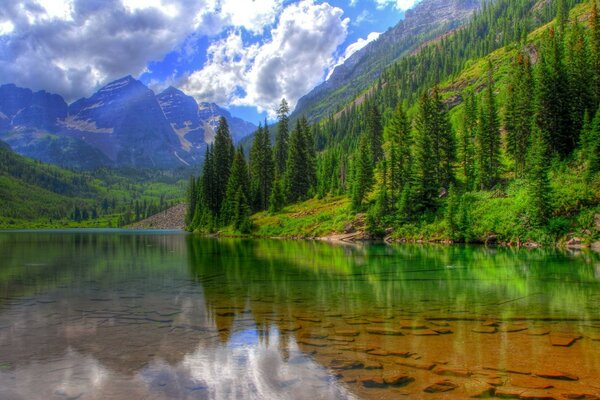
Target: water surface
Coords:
[(155, 315)]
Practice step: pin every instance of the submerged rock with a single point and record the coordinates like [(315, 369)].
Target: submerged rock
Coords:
[(441, 387)]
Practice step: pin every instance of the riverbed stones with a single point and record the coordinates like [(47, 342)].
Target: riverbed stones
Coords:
[(535, 394), (513, 328), (529, 382), (478, 390), (581, 396), (346, 332), (424, 332), (344, 364), (452, 371), (563, 340), (428, 366), (538, 332), (384, 331), (313, 343), (345, 339), (485, 329), (558, 375), (441, 387), (509, 392), (397, 379)]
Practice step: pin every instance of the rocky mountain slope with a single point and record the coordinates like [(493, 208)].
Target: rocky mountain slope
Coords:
[(426, 21), (122, 124)]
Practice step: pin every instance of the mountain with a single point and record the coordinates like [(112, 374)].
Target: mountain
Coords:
[(122, 124), (428, 20)]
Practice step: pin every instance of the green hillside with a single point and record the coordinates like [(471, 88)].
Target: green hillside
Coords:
[(36, 195), (488, 134)]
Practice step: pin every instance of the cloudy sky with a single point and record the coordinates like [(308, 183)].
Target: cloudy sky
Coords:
[(242, 54)]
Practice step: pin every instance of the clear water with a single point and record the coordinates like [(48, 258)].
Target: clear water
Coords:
[(162, 315)]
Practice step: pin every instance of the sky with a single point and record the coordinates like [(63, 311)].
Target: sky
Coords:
[(245, 55)]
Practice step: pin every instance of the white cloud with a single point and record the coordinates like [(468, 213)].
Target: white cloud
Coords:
[(288, 65), (398, 4), (353, 48), (73, 46)]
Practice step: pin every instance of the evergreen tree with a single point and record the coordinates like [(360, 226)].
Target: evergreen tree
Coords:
[(297, 175), (488, 137), (192, 197), (595, 56), (281, 138), (467, 140), (444, 147), (375, 132), (223, 153), (241, 212), (363, 172), (311, 153), (578, 65), (519, 112), (553, 110), (538, 185), (238, 182), (398, 155), (277, 198), (590, 144), (262, 168), (425, 170)]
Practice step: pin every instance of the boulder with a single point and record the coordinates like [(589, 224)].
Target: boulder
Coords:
[(441, 387)]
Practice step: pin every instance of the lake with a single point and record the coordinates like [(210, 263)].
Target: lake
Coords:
[(160, 315)]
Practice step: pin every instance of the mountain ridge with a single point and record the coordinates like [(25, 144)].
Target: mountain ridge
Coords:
[(124, 123)]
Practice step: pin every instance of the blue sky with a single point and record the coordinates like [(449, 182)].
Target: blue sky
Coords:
[(244, 55)]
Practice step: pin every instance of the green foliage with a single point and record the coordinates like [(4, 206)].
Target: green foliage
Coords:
[(262, 168), (363, 173), (281, 138)]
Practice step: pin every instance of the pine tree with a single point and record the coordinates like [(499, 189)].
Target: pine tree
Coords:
[(580, 75), (467, 140), (444, 146), (311, 154), (281, 138), (538, 185), (595, 56), (488, 137), (223, 153), (192, 197), (262, 168), (425, 173), (398, 155), (238, 182), (277, 198), (519, 112), (297, 175), (375, 132), (241, 212), (553, 110), (590, 144), (363, 172)]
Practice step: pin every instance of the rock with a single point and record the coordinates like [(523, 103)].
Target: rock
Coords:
[(513, 328), (440, 323), (533, 394), (562, 376), (314, 343), (313, 336), (403, 354), (349, 228), (441, 387), (448, 371), (529, 382), (443, 331), (508, 392), (373, 382), (484, 329), (563, 340), (358, 348), (508, 370), (378, 352), (412, 325), (478, 390), (416, 364), (490, 322), (538, 332), (372, 365), (346, 332), (397, 379), (425, 332), (581, 396), (307, 318), (341, 364), (385, 331), (345, 339), (357, 322), (575, 243)]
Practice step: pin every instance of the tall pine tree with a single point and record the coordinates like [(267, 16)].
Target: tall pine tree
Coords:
[(262, 168), (281, 138), (223, 152), (488, 137)]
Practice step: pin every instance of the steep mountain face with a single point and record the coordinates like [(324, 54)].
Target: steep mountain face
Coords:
[(426, 21), (123, 124)]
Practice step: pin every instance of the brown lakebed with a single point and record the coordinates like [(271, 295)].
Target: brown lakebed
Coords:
[(122, 315)]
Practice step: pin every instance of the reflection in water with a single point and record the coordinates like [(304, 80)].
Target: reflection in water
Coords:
[(124, 315)]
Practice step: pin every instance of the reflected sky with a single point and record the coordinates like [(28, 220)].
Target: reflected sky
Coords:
[(124, 315)]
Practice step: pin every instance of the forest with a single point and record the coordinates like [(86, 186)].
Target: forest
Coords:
[(490, 133)]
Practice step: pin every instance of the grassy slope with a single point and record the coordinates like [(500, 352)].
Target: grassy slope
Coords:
[(500, 213), (38, 195)]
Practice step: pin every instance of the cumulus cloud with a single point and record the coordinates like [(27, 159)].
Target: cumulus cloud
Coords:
[(398, 4), (73, 46), (353, 48), (290, 63)]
